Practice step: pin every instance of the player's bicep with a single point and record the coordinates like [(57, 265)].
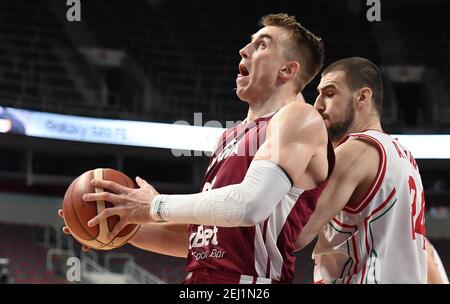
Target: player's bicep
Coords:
[(348, 173), (292, 139), (293, 158), (340, 187), (331, 201)]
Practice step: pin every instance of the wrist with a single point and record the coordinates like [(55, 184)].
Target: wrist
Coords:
[(158, 209), (134, 239)]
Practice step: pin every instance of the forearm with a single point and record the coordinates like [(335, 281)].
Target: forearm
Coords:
[(334, 197), (433, 275), (310, 230), (436, 271), (244, 204), (330, 203), (164, 238)]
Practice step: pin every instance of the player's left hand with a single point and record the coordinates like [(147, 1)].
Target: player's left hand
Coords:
[(131, 205)]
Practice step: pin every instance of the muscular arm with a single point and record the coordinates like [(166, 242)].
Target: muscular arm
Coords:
[(356, 164), (294, 136), (164, 238), (292, 139)]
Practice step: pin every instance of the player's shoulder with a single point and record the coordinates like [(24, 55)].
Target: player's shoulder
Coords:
[(355, 161), (300, 115), (356, 152), (371, 138), (298, 109)]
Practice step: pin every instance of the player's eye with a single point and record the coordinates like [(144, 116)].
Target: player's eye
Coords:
[(262, 45)]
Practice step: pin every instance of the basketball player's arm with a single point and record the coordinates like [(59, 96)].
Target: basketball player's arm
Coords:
[(436, 271), (292, 139), (164, 238), (355, 162)]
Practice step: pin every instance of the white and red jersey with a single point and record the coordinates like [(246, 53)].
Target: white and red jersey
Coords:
[(380, 239), (257, 254)]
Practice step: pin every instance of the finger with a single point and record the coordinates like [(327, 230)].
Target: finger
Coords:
[(109, 185), (141, 182), (61, 213), (102, 196), (119, 226), (103, 215), (66, 230)]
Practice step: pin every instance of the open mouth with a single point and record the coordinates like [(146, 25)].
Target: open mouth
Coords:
[(243, 70)]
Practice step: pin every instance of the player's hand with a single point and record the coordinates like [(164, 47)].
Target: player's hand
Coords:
[(66, 230), (131, 205)]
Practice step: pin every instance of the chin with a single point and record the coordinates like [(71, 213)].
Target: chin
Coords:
[(240, 92)]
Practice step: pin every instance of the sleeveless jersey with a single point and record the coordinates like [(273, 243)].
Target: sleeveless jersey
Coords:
[(264, 251), (380, 239)]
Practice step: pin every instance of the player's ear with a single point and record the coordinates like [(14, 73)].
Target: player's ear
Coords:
[(290, 70), (365, 97)]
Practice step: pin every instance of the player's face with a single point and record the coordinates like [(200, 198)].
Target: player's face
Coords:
[(336, 104), (262, 60)]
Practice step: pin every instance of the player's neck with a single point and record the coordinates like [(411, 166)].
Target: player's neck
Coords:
[(272, 104), (373, 123), (361, 126)]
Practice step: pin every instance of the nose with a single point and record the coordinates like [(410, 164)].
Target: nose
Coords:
[(244, 52), (319, 104)]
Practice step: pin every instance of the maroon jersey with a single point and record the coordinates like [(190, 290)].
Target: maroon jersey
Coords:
[(264, 251)]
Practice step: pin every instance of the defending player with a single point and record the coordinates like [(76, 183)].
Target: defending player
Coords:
[(370, 217)]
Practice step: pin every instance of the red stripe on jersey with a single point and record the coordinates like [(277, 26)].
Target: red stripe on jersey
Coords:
[(355, 249), (376, 183), (366, 223), (343, 140), (344, 225)]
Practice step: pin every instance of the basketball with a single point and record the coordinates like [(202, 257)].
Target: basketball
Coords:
[(78, 212)]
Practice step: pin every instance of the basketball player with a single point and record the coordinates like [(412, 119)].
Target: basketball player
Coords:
[(263, 179), (370, 217)]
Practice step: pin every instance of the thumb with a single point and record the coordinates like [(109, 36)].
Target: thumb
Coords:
[(141, 182)]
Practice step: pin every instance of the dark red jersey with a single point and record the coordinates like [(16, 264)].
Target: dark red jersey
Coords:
[(264, 251)]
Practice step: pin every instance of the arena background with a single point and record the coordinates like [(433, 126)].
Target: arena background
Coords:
[(162, 61)]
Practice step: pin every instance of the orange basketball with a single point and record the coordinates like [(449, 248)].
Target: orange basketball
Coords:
[(77, 212)]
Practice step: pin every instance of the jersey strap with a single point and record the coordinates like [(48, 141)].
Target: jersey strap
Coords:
[(377, 181)]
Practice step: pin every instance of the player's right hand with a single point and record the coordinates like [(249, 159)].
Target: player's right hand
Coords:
[(67, 231)]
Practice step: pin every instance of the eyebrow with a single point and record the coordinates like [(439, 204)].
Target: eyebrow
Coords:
[(326, 87), (261, 37)]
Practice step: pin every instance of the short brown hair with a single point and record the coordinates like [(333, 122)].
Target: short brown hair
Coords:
[(306, 48), (359, 73)]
